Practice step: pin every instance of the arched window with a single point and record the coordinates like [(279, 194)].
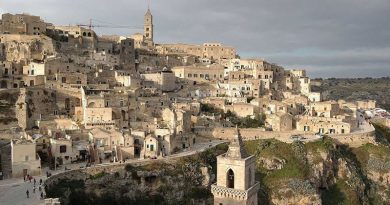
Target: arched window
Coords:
[(89, 34), (230, 179)]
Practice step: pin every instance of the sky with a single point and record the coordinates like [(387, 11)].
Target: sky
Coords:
[(328, 38)]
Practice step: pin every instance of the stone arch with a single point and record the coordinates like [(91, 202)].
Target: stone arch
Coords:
[(91, 104), (230, 179)]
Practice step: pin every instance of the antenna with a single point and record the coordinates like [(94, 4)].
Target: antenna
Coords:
[(148, 4)]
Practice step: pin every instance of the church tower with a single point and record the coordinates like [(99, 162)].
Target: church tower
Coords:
[(236, 183), (148, 26)]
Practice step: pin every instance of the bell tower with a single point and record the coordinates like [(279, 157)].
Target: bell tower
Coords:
[(236, 183), (148, 25)]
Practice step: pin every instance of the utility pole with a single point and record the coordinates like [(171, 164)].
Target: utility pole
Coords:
[(90, 24)]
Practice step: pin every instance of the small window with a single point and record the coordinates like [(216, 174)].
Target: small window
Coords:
[(62, 148)]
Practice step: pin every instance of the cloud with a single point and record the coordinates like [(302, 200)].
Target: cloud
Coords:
[(322, 36)]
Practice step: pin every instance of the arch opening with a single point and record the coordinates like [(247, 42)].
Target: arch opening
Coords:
[(230, 179)]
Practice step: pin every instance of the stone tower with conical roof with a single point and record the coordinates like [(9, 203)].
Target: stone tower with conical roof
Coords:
[(236, 183), (148, 26)]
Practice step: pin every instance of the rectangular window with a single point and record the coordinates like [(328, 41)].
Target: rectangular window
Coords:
[(62, 148), (151, 147)]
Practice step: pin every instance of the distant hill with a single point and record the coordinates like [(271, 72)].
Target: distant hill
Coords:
[(356, 89)]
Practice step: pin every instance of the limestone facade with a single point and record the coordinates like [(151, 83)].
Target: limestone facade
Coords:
[(24, 158), (22, 24), (213, 51), (200, 73)]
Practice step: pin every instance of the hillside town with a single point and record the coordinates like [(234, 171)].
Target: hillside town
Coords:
[(72, 98)]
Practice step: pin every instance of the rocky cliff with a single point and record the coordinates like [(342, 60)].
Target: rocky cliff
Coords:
[(184, 181), (321, 172)]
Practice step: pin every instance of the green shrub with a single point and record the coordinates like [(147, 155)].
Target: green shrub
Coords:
[(98, 175)]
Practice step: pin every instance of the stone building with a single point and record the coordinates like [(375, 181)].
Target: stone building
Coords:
[(323, 125), (62, 150), (22, 24), (241, 109), (103, 108), (324, 109), (367, 104), (151, 147), (18, 158), (148, 27), (200, 73), (145, 40), (112, 144), (236, 183), (213, 51), (279, 122), (164, 80)]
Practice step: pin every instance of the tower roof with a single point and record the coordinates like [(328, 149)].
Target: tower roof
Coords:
[(148, 13), (236, 148)]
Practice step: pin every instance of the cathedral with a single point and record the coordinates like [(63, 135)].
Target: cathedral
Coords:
[(236, 183), (145, 40)]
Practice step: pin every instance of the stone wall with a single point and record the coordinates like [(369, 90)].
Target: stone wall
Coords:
[(251, 133), (8, 99), (19, 47), (33, 168), (84, 173), (355, 139)]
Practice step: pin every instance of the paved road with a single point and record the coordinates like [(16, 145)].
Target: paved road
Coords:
[(13, 191)]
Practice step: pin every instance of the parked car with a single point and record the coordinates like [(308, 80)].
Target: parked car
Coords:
[(319, 135), (296, 137)]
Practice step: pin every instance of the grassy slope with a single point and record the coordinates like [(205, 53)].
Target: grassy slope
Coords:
[(340, 193)]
